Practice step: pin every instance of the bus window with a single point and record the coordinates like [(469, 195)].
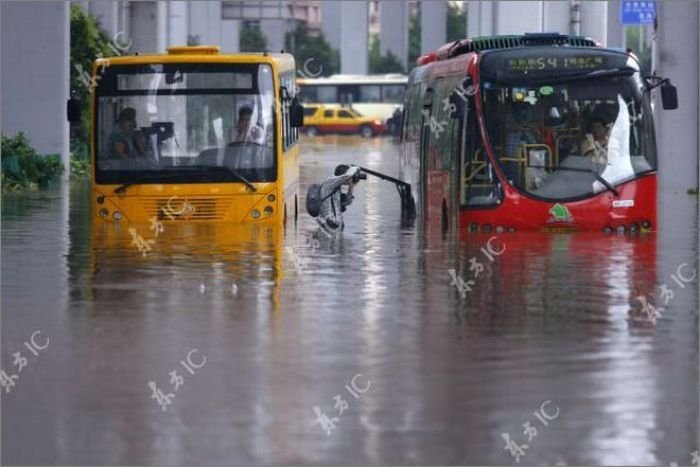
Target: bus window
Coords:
[(328, 114), (344, 114), (327, 94), (370, 93), (212, 116), (393, 93), (348, 94), (308, 93), (552, 141)]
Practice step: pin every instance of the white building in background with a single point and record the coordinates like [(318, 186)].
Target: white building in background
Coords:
[(155, 25), (577, 17)]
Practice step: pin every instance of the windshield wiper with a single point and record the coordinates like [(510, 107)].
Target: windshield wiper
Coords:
[(228, 170), (157, 176), (595, 174)]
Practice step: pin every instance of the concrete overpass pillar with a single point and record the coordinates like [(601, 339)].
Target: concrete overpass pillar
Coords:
[(677, 45), (393, 36), (433, 22), (107, 13), (616, 30), (481, 18), (35, 73), (519, 17), (143, 22), (556, 16), (346, 27), (178, 23), (206, 23), (594, 21)]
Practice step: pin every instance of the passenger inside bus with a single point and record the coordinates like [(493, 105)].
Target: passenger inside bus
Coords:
[(244, 132), (595, 143), (125, 141)]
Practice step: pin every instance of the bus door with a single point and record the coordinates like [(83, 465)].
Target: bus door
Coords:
[(424, 145), (479, 186), (458, 122)]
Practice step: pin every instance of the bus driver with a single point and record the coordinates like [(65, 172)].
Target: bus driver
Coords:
[(125, 141)]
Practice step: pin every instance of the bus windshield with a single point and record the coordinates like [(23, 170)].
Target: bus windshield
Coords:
[(570, 139), (185, 123)]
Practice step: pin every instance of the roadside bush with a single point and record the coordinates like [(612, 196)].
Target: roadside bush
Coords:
[(23, 168), (79, 159)]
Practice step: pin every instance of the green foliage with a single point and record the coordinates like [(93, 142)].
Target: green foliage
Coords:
[(79, 159), (314, 53), (87, 42), (456, 29), (379, 63), (23, 168), (456, 22), (414, 36), (79, 167), (632, 37), (251, 39)]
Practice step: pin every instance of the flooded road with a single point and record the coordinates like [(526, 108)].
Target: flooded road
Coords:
[(270, 331)]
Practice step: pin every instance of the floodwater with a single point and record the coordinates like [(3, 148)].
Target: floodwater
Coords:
[(277, 324)]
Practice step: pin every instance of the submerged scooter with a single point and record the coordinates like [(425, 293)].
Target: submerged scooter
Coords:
[(327, 202)]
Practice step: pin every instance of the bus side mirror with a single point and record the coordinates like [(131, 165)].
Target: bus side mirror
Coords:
[(296, 114), (73, 110), (669, 96)]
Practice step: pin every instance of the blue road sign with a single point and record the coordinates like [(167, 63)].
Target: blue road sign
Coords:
[(637, 12)]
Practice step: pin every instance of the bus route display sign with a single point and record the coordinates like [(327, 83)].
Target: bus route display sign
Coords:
[(528, 64), (537, 63)]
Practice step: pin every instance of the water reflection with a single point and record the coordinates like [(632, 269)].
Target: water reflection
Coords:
[(545, 320)]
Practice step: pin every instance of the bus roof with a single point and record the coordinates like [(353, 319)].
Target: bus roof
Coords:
[(483, 43), (202, 54), (391, 78)]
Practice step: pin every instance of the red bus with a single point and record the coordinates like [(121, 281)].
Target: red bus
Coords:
[(532, 132)]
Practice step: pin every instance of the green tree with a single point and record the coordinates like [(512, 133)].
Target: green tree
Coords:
[(414, 37), (379, 63), (314, 55), (251, 39), (456, 22), (88, 41), (632, 37)]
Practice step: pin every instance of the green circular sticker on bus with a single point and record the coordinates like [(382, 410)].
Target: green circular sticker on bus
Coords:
[(546, 90)]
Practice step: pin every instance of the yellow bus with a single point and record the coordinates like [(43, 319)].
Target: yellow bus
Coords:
[(194, 135)]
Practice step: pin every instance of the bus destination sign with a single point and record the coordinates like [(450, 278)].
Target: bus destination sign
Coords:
[(551, 63)]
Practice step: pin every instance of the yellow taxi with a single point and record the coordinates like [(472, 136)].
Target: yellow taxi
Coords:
[(319, 119)]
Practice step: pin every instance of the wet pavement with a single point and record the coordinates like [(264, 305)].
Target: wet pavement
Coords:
[(265, 328)]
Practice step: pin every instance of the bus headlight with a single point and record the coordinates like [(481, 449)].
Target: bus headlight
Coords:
[(271, 197), (254, 213), (117, 216), (268, 210), (104, 212)]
